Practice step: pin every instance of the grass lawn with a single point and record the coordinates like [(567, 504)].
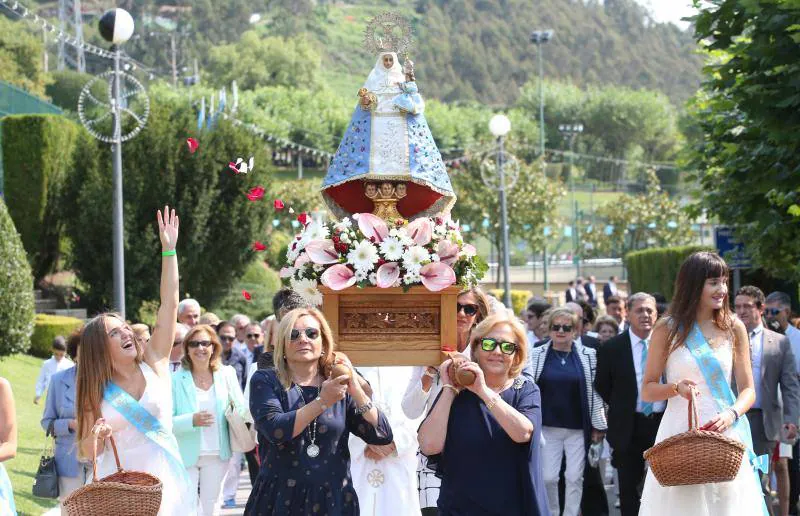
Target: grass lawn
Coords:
[(22, 371)]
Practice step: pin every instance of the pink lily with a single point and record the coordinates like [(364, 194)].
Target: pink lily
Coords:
[(388, 274), (372, 226), (338, 277), (421, 230), (322, 252), (301, 260), (447, 251), (437, 276)]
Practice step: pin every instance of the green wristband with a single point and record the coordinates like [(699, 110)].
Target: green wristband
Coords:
[(168, 253)]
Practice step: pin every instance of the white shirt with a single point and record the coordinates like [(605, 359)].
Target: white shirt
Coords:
[(612, 287), (49, 368), (638, 348), (573, 293), (756, 350), (209, 435), (793, 334)]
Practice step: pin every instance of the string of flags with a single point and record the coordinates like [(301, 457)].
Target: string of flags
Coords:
[(283, 142)]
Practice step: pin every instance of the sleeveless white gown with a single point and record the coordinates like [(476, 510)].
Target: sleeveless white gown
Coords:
[(742, 495), (138, 453)]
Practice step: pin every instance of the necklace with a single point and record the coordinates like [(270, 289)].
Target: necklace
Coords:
[(312, 450), (563, 355)]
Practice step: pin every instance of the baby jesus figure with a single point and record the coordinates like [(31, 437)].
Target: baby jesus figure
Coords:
[(385, 198)]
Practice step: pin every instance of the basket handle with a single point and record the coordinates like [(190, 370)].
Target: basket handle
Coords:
[(694, 417), (94, 454)]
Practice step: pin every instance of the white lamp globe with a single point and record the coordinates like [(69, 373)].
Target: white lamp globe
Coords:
[(116, 26), (499, 125)]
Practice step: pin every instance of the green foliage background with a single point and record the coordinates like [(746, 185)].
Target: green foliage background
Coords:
[(655, 270), (48, 327), (16, 289)]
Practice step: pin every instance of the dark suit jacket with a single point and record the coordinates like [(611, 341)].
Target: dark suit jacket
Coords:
[(257, 351), (606, 293), (568, 295), (590, 297), (616, 384)]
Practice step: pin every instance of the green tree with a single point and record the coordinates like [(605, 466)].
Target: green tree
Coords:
[(16, 289), (218, 222), (749, 115), (21, 54), (652, 218)]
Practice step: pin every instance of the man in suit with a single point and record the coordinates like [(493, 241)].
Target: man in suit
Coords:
[(774, 368), (632, 423), (571, 294), (615, 307), (591, 291), (610, 289)]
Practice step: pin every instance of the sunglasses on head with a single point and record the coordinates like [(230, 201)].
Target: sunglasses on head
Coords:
[(226, 338), (507, 348), (197, 343), (253, 335), (311, 333), (772, 311), (561, 327), (467, 309)]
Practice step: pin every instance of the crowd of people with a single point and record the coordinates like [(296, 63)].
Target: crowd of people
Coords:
[(564, 401)]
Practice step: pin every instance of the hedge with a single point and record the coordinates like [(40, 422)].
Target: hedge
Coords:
[(46, 328), (16, 289), (261, 283), (655, 270), (519, 298), (37, 155)]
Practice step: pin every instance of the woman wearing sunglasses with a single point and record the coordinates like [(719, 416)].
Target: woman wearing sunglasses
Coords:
[(424, 386), (307, 419), (483, 441), (573, 416), (201, 390)]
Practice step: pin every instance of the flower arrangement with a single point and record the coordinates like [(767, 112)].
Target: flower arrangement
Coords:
[(368, 252)]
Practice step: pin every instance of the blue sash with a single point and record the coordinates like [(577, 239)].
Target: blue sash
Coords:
[(144, 421), (723, 396)]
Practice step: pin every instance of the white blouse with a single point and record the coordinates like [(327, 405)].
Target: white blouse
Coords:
[(209, 435)]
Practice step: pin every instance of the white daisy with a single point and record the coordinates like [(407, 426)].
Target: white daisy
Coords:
[(307, 288), (411, 277), (344, 238), (315, 231), (363, 256), (392, 249), (414, 256), (373, 278), (361, 275), (435, 257)]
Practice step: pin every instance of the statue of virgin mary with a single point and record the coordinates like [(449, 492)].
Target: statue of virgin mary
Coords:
[(388, 147)]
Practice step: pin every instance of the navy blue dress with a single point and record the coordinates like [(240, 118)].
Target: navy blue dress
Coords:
[(289, 481), (484, 472)]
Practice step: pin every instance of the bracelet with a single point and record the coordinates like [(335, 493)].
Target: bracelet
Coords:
[(171, 252), (452, 388), (735, 414), (322, 403), (492, 403), (675, 388), (430, 374), (363, 409)]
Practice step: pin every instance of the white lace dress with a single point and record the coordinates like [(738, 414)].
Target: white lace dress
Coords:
[(138, 453), (742, 495)]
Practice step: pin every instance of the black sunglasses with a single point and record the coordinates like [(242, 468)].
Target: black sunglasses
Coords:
[(772, 311), (253, 335), (469, 310), (197, 343), (488, 344), (311, 333), (225, 338), (561, 327)]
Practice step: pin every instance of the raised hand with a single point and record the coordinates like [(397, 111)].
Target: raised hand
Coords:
[(168, 224)]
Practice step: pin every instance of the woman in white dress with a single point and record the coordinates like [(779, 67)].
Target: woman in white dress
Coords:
[(701, 347), (124, 388)]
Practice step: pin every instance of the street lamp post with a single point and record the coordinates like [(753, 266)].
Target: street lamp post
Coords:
[(499, 126), (538, 38), (116, 26), (571, 131)]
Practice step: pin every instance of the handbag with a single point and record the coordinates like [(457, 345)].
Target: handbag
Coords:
[(45, 484), (242, 438)]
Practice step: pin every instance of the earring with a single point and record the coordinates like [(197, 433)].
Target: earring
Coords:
[(323, 353)]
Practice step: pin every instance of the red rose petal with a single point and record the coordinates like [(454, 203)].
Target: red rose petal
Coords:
[(258, 246), (246, 295), (304, 218), (232, 166), (278, 204), (256, 194), (193, 145)]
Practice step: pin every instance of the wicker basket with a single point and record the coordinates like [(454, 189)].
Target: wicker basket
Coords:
[(696, 456), (120, 494)]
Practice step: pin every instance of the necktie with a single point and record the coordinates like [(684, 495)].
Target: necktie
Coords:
[(647, 407)]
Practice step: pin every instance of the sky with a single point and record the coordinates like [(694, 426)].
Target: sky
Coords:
[(669, 10)]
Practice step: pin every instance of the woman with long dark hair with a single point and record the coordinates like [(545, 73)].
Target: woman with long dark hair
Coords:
[(702, 347)]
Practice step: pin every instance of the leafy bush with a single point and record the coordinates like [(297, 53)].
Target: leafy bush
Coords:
[(67, 86), (655, 270), (275, 255), (261, 283), (16, 289), (519, 298), (37, 153), (47, 327)]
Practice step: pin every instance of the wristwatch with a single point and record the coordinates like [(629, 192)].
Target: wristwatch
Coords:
[(363, 409), (322, 403)]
